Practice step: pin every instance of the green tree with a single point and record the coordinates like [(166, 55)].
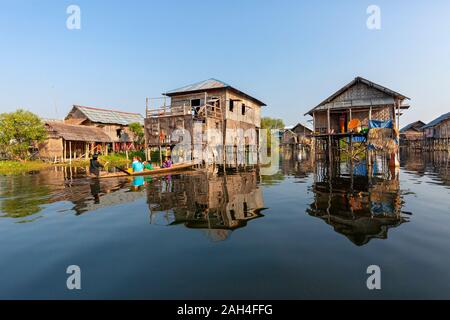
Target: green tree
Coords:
[(271, 124), (138, 132), (19, 130)]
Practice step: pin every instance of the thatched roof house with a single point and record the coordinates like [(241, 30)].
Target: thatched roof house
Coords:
[(67, 141), (360, 99), (71, 132)]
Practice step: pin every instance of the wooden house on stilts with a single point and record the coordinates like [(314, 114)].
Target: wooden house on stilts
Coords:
[(214, 121), (437, 134), (66, 142), (347, 117), (411, 135)]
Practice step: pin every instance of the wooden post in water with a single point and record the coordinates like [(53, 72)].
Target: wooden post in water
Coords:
[(329, 134), (64, 150), (147, 157), (70, 152)]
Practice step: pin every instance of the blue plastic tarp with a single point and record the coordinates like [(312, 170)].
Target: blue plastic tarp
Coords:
[(357, 139), (380, 124)]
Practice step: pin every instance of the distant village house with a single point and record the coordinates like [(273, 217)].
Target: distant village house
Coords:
[(411, 136), (437, 133), (299, 134), (87, 130)]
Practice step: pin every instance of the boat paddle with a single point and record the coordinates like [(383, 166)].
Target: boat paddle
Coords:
[(123, 170)]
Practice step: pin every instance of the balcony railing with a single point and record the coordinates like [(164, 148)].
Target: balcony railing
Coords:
[(169, 111)]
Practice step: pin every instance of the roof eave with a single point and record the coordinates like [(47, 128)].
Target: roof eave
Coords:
[(353, 82), (181, 93)]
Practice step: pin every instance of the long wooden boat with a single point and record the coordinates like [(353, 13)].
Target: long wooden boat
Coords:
[(156, 171)]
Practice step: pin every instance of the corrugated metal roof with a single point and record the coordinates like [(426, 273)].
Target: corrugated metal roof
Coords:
[(110, 116), (414, 125), (206, 85), (437, 120), (199, 86)]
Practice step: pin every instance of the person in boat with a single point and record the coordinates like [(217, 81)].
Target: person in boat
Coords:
[(137, 165), (148, 165), (167, 163), (95, 165)]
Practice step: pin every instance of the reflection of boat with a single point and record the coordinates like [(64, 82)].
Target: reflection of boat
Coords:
[(158, 171)]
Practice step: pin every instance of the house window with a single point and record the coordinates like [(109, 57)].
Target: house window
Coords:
[(231, 106), (119, 133), (195, 103), (243, 109)]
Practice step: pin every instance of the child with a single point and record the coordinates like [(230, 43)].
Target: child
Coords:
[(148, 165), (137, 165), (167, 163)]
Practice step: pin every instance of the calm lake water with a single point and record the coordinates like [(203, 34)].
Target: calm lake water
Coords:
[(305, 232)]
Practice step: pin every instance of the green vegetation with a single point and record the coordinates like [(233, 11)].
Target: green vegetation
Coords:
[(138, 132), (17, 167), (270, 124), (19, 131), (12, 167)]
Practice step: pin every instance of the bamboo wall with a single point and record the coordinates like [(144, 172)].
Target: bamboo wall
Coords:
[(383, 113)]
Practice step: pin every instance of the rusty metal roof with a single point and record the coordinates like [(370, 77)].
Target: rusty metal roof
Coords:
[(109, 116)]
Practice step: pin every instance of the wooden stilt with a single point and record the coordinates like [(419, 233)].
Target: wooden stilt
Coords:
[(70, 152)]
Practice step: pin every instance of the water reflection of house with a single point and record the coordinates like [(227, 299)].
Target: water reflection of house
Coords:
[(299, 169), (62, 184), (218, 204), (360, 207), (70, 184), (421, 163)]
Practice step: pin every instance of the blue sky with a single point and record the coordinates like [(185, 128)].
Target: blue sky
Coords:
[(289, 54)]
